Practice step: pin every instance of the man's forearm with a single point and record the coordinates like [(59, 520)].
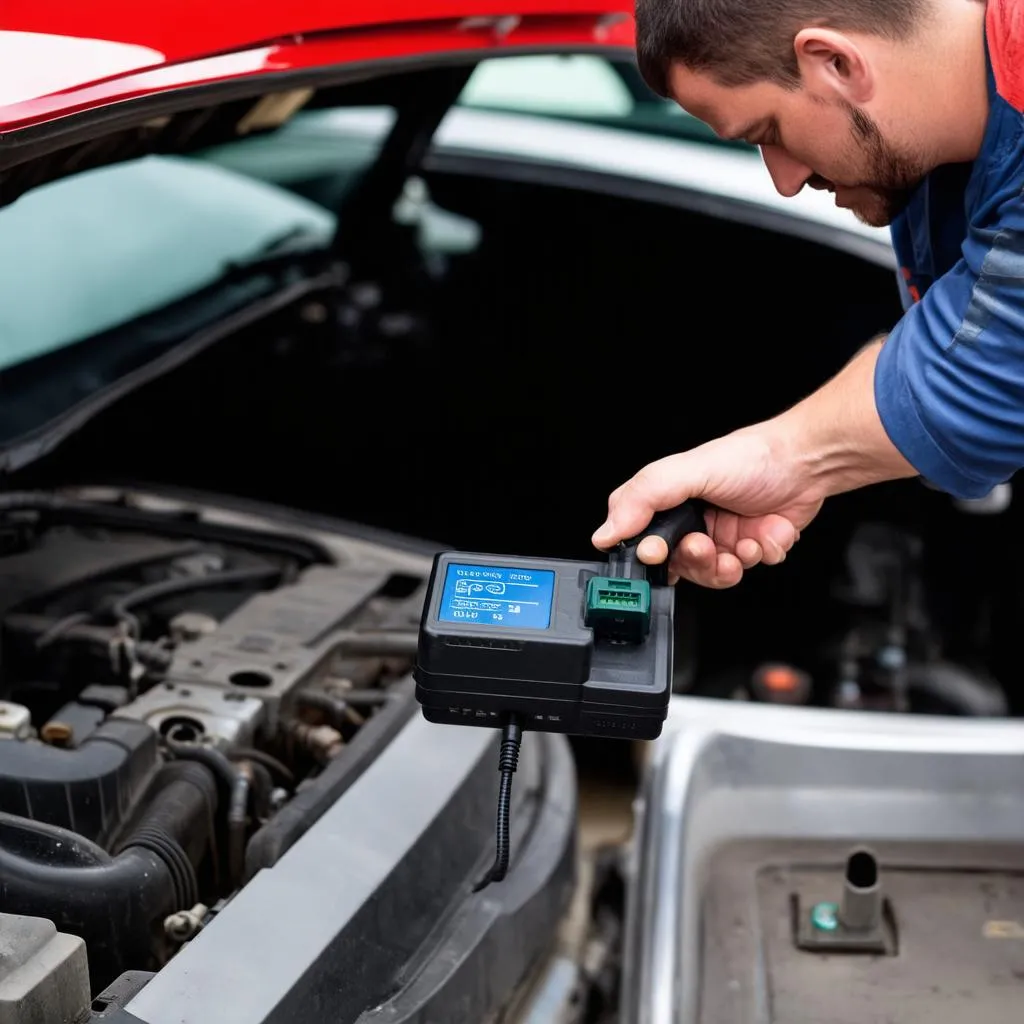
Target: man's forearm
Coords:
[(835, 435)]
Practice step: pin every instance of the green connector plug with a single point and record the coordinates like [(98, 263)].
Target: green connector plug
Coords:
[(618, 609)]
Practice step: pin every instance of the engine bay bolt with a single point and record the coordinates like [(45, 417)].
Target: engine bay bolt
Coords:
[(183, 925)]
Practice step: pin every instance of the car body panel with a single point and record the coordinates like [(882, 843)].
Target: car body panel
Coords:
[(687, 168), (725, 773), (70, 58)]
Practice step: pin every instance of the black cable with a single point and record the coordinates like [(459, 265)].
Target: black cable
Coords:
[(120, 607), (283, 772), (508, 761)]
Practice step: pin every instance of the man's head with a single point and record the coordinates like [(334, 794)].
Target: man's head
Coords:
[(831, 90)]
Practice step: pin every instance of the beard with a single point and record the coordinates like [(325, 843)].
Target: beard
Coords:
[(891, 177)]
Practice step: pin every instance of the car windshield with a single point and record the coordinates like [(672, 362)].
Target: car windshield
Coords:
[(97, 250), (88, 253), (102, 252)]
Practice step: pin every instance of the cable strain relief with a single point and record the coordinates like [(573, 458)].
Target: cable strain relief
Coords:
[(512, 737), (508, 758)]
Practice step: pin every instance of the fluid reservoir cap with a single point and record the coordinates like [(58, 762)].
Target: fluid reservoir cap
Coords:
[(779, 683), (15, 721)]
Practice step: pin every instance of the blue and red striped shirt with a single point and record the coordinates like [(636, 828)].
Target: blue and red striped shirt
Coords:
[(949, 385)]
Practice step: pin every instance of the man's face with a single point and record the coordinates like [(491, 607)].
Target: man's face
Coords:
[(808, 139)]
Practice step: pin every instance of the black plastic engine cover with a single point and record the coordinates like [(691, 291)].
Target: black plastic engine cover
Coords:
[(90, 789)]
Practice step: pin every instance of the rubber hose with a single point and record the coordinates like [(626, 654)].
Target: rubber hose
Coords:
[(262, 787), (112, 902), (238, 814), (225, 772), (955, 686), (284, 774)]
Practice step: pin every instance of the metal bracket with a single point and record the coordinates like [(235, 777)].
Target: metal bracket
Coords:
[(820, 929)]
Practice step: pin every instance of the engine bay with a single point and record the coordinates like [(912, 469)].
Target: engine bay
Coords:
[(181, 700), (883, 648)]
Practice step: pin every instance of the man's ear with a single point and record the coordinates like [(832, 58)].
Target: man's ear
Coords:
[(832, 64)]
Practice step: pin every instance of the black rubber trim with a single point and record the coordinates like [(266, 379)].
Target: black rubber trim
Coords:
[(530, 171), (33, 446), (279, 515)]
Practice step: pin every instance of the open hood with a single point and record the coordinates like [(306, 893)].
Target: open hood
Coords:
[(100, 115), (65, 58), (88, 85)]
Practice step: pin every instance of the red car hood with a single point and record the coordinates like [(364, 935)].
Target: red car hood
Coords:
[(67, 57)]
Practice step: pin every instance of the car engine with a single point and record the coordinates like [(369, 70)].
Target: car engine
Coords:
[(181, 700), (883, 647), (186, 691)]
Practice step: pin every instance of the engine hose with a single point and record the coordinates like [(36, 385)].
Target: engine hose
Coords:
[(238, 816), (337, 709), (113, 902), (284, 774), (120, 607), (262, 787), (234, 786), (225, 772), (958, 688)]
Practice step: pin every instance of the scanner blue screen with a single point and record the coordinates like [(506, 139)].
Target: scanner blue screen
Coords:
[(493, 595)]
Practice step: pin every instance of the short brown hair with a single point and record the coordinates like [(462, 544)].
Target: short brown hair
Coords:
[(745, 41)]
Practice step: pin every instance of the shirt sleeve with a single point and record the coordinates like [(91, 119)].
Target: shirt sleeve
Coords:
[(949, 383)]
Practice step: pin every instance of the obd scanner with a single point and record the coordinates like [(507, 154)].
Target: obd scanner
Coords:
[(552, 645)]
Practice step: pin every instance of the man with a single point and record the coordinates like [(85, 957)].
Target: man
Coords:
[(910, 112)]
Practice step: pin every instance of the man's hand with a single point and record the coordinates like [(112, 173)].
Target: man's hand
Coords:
[(761, 505), (766, 482)]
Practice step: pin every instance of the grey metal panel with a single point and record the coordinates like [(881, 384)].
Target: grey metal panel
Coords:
[(726, 771), (248, 959)]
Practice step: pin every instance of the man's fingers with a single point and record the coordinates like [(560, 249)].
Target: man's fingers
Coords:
[(632, 505), (696, 554), (749, 552), (720, 571), (697, 558), (776, 536), (652, 550)]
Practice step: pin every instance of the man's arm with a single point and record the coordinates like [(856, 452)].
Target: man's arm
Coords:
[(943, 397), (834, 441), (766, 482), (949, 382)]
